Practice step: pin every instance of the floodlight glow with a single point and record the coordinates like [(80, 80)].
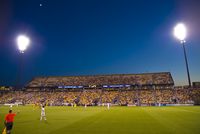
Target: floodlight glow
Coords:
[(22, 42), (180, 31)]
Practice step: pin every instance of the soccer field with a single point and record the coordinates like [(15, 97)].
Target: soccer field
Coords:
[(99, 120)]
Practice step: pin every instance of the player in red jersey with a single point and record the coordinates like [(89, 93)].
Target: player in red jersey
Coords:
[(9, 119)]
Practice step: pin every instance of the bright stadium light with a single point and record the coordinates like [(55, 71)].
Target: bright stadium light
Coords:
[(180, 33), (22, 42)]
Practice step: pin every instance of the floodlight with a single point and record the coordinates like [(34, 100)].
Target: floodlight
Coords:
[(180, 31), (22, 42)]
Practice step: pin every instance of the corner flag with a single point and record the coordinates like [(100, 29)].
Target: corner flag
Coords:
[(4, 131)]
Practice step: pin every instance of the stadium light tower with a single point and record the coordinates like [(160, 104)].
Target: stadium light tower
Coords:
[(180, 33), (22, 43)]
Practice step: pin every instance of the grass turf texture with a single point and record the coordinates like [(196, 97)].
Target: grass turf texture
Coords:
[(99, 120)]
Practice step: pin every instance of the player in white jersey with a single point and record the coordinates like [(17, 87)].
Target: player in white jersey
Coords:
[(11, 105), (108, 106), (43, 116)]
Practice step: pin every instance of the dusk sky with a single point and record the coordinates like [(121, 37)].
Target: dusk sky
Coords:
[(89, 37)]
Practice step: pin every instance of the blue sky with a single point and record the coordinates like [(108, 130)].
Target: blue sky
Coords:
[(98, 37)]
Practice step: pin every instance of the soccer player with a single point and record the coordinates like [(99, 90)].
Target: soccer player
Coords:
[(74, 104), (43, 114), (11, 106), (108, 106), (9, 119)]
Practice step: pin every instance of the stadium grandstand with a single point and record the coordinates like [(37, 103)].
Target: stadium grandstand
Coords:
[(148, 89), (158, 79)]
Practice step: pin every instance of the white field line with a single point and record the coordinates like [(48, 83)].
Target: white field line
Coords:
[(181, 110)]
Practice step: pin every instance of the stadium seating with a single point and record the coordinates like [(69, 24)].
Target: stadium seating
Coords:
[(122, 89), (96, 97), (163, 78)]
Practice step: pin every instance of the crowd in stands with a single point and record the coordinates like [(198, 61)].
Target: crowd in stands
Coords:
[(133, 89), (165, 96), (133, 79), (127, 97), (183, 96), (146, 97), (89, 97), (109, 97), (100, 96)]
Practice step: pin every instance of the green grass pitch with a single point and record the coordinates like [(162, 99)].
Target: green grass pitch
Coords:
[(99, 120)]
